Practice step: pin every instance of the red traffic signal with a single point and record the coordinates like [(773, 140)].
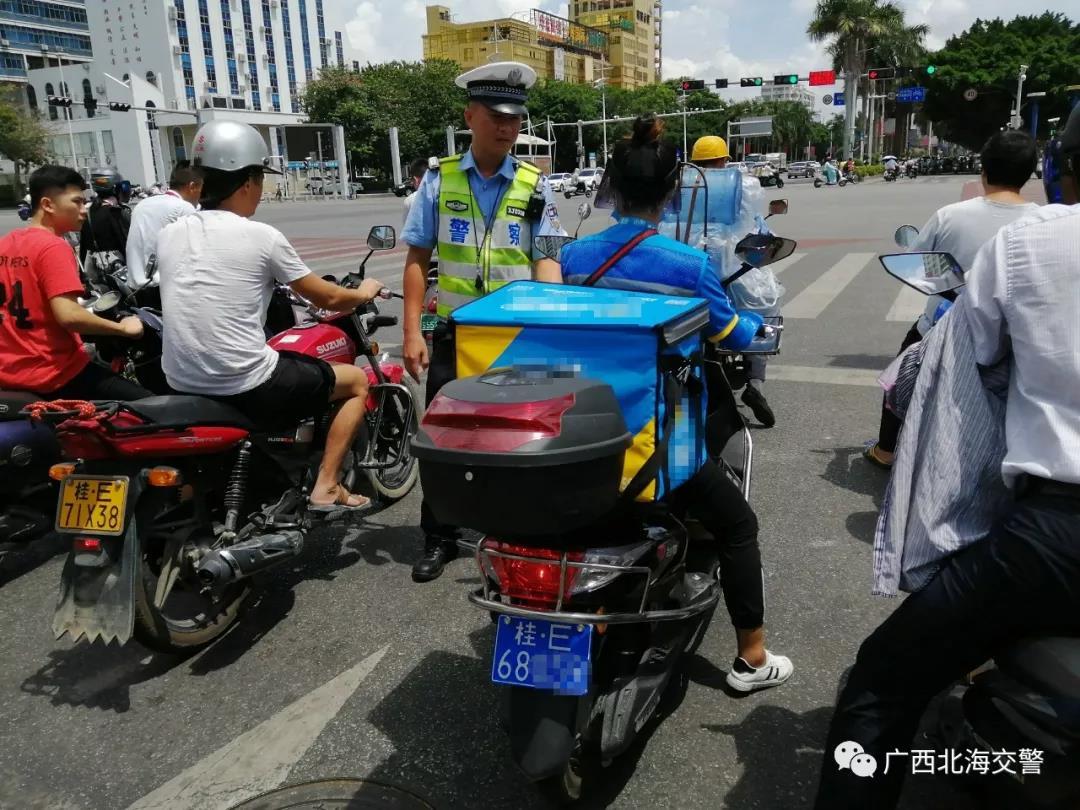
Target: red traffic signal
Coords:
[(819, 78), (872, 75), (693, 84)]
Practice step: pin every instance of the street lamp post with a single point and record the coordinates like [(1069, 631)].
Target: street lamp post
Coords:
[(67, 110), (1035, 111), (1021, 76)]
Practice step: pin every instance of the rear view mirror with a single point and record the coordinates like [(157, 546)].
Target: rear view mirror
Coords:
[(778, 207), (760, 250), (106, 303), (929, 273), (906, 235), (551, 246), (584, 211), (382, 237)]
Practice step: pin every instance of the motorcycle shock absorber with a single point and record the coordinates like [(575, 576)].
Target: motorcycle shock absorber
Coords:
[(236, 489)]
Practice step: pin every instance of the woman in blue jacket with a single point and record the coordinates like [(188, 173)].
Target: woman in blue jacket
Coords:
[(643, 174)]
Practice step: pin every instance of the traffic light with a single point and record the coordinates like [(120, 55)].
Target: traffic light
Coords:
[(693, 84), (820, 78), (90, 104), (786, 78), (754, 81), (59, 101), (931, 70), (901, 72), (119, 106), (721, 84), (875, 74)]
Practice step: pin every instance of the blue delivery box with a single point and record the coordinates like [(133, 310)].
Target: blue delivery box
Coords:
[(646, 347)]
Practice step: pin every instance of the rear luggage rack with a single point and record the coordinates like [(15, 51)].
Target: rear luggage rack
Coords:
[(485, 597)]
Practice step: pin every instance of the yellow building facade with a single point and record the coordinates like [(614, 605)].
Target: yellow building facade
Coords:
[(619, 39), (635, 37)]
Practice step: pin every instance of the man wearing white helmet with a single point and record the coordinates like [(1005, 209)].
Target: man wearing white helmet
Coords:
[(218, 270)]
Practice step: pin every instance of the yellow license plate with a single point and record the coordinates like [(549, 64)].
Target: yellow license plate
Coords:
[(92, 504)]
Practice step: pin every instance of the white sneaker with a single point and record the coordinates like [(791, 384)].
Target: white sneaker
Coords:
[(744, 678)]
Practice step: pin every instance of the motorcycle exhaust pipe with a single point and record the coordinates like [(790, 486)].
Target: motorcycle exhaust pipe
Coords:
[(225, 565)]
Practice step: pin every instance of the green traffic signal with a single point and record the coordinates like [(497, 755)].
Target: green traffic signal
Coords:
[(931, 70)]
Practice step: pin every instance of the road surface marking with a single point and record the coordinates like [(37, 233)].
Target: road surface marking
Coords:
[(823, 290), (908, 306), (785, 264), (830, 376), (260, 759)]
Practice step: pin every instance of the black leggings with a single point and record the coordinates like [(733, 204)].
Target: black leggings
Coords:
[(712, 498), (97, 383)]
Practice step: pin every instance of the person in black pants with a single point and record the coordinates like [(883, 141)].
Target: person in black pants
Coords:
[(889, 431), (1024, 578)]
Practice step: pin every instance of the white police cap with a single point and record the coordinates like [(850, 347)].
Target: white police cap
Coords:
[(502, 86)]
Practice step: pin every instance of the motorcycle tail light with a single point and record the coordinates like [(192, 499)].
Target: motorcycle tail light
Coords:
[(493, 427), (86, 545), (593, 579), (58, 472), (532, 582)]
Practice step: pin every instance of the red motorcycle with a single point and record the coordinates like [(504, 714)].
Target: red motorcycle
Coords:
[(174, 502)]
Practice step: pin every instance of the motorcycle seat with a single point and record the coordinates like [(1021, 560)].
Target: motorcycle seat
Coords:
[(181, 409), (11, 402)]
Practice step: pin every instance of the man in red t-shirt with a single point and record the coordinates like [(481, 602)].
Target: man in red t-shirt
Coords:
[(40, 317)]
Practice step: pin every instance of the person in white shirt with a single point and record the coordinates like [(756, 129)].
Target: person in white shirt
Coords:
[(154, 213), (962, 228), (1023, 579), (218, 269)]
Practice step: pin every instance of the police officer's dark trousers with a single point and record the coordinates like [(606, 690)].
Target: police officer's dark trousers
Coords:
[(441, 370), (1022, 580)]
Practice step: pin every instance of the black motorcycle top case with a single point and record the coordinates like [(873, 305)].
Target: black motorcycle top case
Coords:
[(528, 487)]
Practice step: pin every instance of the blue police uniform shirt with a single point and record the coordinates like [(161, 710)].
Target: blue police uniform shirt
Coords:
[(422, 225), (660, 265)]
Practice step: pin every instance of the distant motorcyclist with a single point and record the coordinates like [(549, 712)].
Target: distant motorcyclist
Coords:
[(643, 175), (108, 220), (41, 348), (417, 170)]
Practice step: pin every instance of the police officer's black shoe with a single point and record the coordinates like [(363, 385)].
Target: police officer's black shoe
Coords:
[(755, 400), (437, 553)]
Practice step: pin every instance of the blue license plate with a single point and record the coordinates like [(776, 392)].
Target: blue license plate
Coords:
[(542, 655)]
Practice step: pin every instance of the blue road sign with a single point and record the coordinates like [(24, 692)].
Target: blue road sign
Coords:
[(838, 99), (911, 94)]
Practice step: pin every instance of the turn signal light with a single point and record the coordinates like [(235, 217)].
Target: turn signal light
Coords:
[(163, 477), (58, 472)]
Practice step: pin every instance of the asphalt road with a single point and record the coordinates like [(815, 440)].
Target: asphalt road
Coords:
[(345, 668)]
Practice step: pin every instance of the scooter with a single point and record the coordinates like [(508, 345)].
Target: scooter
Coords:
[(1027, 696), (623, 596), (582, 187), (173, 503)]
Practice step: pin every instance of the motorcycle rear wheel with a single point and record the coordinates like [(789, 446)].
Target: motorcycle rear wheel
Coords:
[(581, 770), (162, 630)]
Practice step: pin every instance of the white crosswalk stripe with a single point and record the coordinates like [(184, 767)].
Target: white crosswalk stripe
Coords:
[(821, 292), (786, 264), (908, 306)]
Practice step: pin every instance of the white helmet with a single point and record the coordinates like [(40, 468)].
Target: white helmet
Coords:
[(230, 146)]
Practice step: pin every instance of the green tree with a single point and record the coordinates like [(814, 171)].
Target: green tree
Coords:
[(987, 59), (854, 29), (419, 98), (24, 139)]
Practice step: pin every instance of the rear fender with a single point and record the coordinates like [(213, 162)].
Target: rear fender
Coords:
[(543, 727), (97, 590)]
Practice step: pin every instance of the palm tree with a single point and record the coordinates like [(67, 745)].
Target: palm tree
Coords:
[(853, 28)]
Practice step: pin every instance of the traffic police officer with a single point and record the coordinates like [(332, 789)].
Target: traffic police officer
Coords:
[(482, 210)]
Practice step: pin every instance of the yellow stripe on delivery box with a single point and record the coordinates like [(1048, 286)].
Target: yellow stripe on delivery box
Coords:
[(478, 347), (636, 455)]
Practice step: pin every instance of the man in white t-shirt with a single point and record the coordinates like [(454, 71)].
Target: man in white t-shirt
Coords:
[(154, 213), (1008, 160), (217, 270)]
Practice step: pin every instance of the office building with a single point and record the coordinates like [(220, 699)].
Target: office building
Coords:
[(635, 37), (788, 92), (35, 33)]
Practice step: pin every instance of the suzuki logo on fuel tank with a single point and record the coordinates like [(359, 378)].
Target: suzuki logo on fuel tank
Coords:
[(333, 345)]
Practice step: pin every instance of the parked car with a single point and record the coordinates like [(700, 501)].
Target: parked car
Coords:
[(557, 180)]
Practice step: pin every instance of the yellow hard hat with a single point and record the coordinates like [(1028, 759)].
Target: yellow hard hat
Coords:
[(711, 147)]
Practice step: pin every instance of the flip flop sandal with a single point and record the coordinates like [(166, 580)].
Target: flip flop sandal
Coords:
[(340, 504), (870, 454)]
